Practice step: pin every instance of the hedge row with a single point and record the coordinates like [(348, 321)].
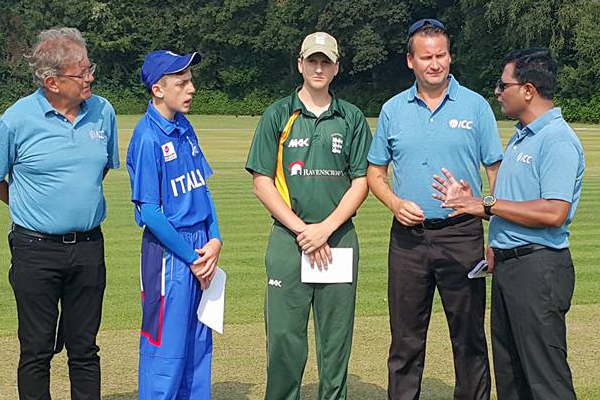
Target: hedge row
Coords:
[(218, 103)]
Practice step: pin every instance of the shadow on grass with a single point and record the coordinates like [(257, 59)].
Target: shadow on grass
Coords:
[(431, 389), (356, 390), (121, 396), (231, 391), (435, 389), (220, 391)]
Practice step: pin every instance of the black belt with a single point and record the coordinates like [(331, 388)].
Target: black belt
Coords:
[(507, 254), (440, 223), (67, 238)]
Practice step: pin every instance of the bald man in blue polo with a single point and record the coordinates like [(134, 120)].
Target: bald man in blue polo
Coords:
[(433, 124)]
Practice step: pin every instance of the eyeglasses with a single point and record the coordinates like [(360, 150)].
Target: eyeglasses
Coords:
[(422, 22), (501, 86), (90, 72)]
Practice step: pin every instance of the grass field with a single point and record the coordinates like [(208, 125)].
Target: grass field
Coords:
[(239, 355)]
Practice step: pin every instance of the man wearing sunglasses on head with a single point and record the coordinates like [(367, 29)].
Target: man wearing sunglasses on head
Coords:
[(56, 146), (537, 193), (435, 123)]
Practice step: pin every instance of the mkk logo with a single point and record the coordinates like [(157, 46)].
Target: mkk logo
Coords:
[(524, 158), (464, 124), (275, 282), (298, 142), (296, 167), (337, 142)]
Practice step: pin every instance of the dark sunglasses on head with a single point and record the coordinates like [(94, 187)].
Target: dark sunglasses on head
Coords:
[(502, 86), (422, 22)]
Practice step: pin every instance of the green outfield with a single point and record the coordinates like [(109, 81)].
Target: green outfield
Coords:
[(239, 355)]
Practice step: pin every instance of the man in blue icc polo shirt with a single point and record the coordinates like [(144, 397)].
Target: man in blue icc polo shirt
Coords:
[(56, 146), (181, 242), (435, 123), (537, 192)]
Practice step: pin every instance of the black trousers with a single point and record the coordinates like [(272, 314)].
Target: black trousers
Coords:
[(42, 273), (419, 261), (531, 295)]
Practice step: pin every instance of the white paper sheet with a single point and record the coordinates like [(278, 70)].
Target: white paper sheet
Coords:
[(479, 271), (212, 304), (339, 271)]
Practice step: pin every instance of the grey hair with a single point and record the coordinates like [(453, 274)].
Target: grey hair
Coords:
[(55, 50)]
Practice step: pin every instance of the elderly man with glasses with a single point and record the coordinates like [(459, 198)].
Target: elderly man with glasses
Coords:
[(56, 146), (433, 124)]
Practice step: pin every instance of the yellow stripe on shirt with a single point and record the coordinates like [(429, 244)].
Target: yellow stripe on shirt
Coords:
[(280, 182)]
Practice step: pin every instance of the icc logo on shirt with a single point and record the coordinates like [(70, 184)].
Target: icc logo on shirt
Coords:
[(464, 124)]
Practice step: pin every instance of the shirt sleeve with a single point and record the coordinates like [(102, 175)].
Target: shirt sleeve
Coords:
[(380, 152), (8, 150), (113, 143), (558, 171), (159, 225), (143, 165), (262, 157), (206, 170), (490, 146), (361, 142), (213, 222)]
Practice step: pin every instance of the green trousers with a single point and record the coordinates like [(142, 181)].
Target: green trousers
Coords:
[(287, 307)]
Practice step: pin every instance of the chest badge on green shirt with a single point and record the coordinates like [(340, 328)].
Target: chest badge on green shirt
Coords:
[(337, 142)]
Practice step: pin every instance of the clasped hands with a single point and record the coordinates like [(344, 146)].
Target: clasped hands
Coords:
[(312, 238), (205, 266)]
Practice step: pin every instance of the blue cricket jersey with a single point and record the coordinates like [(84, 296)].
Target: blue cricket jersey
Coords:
[(167, 167)]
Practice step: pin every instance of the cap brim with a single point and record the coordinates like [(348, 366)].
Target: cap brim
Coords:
[(183, 62), (320, 49)]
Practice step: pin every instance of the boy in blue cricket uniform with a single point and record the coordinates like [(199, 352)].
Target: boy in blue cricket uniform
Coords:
[(181, 242)]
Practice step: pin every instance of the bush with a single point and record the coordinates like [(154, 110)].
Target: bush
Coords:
[(576, 110)]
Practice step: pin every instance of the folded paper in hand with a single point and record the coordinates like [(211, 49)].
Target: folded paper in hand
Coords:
[(338, 271), (479, 271), (212, 304)]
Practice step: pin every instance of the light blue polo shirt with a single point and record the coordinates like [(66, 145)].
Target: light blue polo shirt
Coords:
[(55, 167), (459, 135), (167, 168), (543, 160)]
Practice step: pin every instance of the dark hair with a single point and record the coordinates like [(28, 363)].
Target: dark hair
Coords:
[(427, 30), (535, 66)]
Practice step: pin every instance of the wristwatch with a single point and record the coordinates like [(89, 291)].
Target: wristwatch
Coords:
[(488, 201)]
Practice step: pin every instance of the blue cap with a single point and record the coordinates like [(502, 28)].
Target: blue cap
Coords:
[(423, 22), (164, 62)]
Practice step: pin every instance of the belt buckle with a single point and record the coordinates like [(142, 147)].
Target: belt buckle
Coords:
[(65, 239)]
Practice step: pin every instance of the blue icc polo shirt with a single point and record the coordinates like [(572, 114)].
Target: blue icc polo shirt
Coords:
[(543, 160), (459, 135), (55, 167), (167, 168)]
